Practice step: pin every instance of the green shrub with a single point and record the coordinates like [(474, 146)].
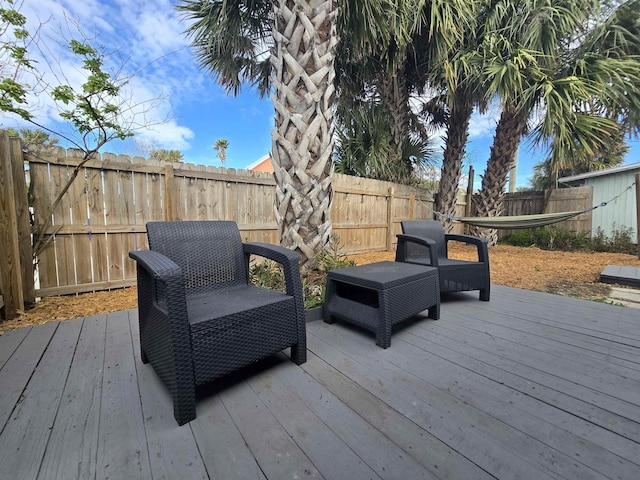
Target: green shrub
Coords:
[(266, 274), (620, 242), (331, 258), (522, 238), (548, 238), (553, 238), (269, 274)]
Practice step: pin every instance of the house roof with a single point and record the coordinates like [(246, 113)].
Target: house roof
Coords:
[(262, 159), (599, 173)]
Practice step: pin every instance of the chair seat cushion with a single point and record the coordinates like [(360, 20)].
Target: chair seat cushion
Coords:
[(228, 302)]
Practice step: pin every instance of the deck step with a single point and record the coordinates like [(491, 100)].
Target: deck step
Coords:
[(629, 297), (621, 275)]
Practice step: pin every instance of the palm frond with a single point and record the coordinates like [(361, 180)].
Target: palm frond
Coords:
[(231, 40)]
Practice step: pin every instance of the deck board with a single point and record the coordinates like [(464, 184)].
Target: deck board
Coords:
[(19, 367), (339, 449), (25, 436), (528, 385), (174, 451), (567, 343), (9, 342), (74, 436), (502, 446), (437, 457), (555, 428), (537, 368), (529, 382), (122, 442), (278, 455), (325, 438), (223, 450)]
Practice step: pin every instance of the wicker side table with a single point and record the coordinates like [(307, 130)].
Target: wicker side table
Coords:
[(379, 295)]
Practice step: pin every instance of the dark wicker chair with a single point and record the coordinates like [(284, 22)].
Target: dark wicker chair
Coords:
[(424, 242), (199, 317)]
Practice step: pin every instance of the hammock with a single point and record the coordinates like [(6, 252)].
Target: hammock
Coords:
[(514, 222)]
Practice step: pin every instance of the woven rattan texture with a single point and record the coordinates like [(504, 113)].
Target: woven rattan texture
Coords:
[(424, 242), (199, 318), (376, 306)]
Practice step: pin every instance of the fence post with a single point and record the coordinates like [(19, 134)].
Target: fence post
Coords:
[(169, 213), (10, 271), (412, 207), (638, 211), (468, 208), (390, 218), (23, 223)]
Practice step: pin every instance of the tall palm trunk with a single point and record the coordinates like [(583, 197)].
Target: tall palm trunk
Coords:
[(457, 133), (395, 96), (303, 64), (490, 202)]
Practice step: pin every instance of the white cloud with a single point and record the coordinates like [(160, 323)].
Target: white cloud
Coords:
[(141, 40), (484, 125), (167, 135)]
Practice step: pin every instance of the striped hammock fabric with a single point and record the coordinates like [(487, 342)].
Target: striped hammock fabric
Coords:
[(518, 221), (514, 222)]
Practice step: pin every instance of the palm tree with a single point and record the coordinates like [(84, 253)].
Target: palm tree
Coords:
[(303, 74), (390, 69), (232, 40), (546, 174), (163, 154), (457, 76), (34, 136), (286, 47), (364, 140), (548, 60), (221, 146)]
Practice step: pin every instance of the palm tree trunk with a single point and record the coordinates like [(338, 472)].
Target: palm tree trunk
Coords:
[(302, 141), (490, 201), (395, 97), (457, 133)]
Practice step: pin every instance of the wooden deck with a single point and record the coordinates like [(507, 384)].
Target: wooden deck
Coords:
[(527, 386)]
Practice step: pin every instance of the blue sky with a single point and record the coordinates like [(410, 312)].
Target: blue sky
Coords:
[(189, 110)]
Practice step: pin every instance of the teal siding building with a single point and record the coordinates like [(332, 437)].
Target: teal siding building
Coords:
[(613, 183)]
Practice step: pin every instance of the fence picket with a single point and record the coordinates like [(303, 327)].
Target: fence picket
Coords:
[(81, 247), (97, 241)]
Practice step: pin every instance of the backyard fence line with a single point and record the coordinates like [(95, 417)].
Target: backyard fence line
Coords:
[(103, 215)]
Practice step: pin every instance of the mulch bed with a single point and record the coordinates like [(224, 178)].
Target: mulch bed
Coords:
[(564, 273)]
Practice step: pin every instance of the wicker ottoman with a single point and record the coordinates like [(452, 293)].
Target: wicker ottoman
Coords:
[(379, 295)]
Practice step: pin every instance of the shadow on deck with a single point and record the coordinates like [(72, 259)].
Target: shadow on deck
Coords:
[(526, 386)]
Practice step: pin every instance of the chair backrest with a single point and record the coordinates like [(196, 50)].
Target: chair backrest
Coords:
[(209, 253), (425, 228)]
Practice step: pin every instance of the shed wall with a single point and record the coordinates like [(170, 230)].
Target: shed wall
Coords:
[(617, 213)]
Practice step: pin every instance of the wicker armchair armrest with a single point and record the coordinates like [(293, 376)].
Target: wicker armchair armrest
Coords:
[(480, 243), (159, 268), (402, 253), (289, 260)]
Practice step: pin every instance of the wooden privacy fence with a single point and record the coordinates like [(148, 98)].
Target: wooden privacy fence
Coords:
[(103, 215)]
